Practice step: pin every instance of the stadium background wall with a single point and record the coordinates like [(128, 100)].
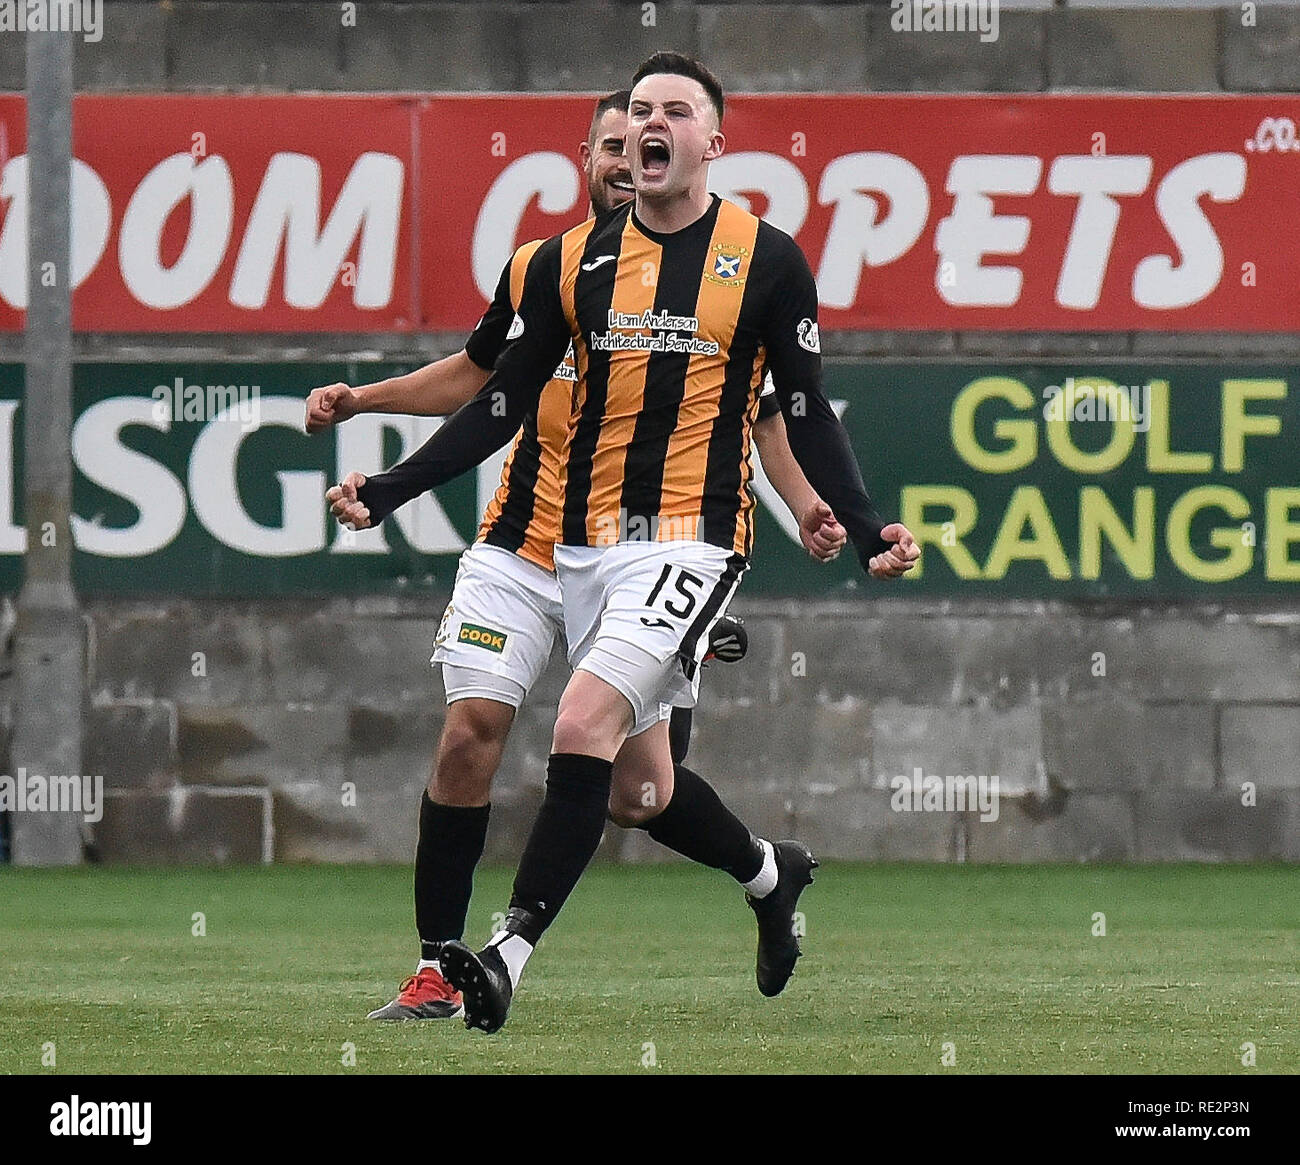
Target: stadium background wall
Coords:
[(294, 697)]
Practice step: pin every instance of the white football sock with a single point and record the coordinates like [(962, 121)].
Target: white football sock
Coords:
[(514, 950), (764, 882), (428, 963)]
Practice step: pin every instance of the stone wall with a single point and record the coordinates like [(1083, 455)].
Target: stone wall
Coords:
[(297, 701), (1165, 45)]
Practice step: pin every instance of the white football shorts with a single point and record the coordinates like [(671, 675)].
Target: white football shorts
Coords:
[(497, 632), (638, 615), (496, 635)]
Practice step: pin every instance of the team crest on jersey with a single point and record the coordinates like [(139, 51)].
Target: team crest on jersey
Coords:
[(728, 259)]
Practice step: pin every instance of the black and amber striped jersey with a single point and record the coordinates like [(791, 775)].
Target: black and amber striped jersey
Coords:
[(524, 513), (670, 368), (670, 334)]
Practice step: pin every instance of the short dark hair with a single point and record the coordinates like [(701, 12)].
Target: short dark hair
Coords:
[(610, 101), (683, 66)]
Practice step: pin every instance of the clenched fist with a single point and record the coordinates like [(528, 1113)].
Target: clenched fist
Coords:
[(823, 537), (329, 405), (344, 504), (900, 557)]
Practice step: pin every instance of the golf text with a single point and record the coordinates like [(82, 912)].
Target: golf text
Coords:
[(1130, 403)]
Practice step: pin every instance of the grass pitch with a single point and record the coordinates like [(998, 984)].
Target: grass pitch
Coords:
[(650, 969)]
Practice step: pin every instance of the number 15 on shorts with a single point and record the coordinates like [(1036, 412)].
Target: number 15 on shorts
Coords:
[(676, 592)]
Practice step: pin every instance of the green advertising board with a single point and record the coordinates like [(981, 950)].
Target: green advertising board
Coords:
[(1052, 480)]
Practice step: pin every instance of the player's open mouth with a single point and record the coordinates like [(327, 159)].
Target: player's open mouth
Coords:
[(623, 184), (655, 156)]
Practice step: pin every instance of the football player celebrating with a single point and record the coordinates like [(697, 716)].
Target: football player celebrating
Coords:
[(670, 367), (505, 614)]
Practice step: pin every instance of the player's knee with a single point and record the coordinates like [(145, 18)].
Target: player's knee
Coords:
[(572, 734), (461, 776), (638, 795), (626, 819), (628, 809), (620, 814), (468, 755), (630, 813), (584, 730)]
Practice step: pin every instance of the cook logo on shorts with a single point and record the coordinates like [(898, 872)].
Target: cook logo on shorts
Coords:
[(482, 637)]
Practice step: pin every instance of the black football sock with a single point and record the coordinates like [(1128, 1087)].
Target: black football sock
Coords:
[(699, 826), (451, 843), (563, 840), (679, 734)]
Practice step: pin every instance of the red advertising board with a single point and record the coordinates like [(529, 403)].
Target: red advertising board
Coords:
[(229, 214), (356, 214)]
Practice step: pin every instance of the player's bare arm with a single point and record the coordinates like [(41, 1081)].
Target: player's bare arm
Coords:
[(435, 390), (822, 536), (489, 420), (439, 388)]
